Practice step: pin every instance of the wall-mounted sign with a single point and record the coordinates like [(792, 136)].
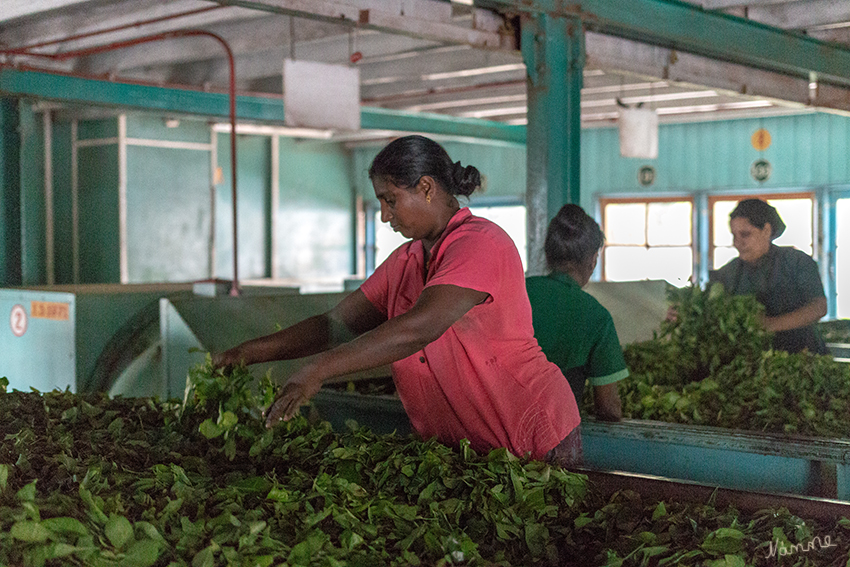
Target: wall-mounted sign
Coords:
[(760, 170), (18, 320), (646, 175), (50, 310), (760, 139)]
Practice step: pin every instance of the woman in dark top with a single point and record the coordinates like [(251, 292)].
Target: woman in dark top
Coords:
[(783, 279)]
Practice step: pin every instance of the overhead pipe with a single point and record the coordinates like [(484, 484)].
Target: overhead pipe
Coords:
[(24, 51)]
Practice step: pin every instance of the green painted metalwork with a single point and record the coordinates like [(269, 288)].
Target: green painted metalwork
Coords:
[(10, 194), (684, 26), (553, 50), (33, 244), (63, 225), (169, 214), (252, 108), (99, 212), (315, 217)]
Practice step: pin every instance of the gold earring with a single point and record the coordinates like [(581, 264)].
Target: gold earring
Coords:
[(428, 198)]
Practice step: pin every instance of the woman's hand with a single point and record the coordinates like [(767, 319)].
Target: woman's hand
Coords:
[(297, 391), (228, 359)]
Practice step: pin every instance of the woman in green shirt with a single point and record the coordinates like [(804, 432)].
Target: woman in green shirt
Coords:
[(574, 330)]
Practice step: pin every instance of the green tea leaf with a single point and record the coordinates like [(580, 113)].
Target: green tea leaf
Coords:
[(65, 525), (27, 493), (29, 531), (119, 531), (143, 553), (210, 429)]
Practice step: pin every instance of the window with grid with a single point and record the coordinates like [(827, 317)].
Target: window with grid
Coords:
[(648, 239), (796, 211)]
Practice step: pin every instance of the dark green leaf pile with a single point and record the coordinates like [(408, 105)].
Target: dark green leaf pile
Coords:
[(713, 365), (87, 480), (836, 331)]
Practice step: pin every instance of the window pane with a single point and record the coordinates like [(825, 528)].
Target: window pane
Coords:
[(625, 263), (672, 264), (797, 216), (723, 255), (842, 258), (669, 223), (386, 239), (512, 220), (625, 223), (720, 222)]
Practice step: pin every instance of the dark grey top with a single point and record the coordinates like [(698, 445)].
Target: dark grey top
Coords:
[(782, 280)]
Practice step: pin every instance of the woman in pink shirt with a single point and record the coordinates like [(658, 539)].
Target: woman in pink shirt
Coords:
[(448, 310)]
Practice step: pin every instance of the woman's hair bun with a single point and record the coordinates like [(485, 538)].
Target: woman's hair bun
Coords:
[(466, 179)]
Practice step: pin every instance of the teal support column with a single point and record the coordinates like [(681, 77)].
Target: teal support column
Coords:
[(553, 52), (10, 194)]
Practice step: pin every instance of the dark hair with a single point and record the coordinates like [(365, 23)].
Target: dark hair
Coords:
[(573, 237), (406, 159), (758, 213)]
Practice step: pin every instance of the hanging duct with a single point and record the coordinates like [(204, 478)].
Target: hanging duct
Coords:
[(638, 133), (320, 95)]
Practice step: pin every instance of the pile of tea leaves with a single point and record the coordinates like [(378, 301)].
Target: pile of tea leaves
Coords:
[(90, 480), (712, 365)]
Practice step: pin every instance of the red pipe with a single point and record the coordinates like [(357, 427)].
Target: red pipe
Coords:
[(234, 288)]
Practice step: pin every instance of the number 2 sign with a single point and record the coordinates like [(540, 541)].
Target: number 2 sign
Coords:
[(18, 320)]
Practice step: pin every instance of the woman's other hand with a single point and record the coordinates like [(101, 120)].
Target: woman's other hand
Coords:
[(297, 391), (606, 400)]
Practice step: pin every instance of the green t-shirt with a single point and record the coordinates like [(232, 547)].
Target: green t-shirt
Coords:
[(575, 332)]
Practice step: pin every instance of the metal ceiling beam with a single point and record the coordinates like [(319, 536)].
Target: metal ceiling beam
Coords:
[(267, 110), (351, 15), (801, 15), (678, 25), (13, 9)]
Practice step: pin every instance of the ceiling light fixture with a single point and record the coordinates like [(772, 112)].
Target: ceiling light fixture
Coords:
[(260, 130)]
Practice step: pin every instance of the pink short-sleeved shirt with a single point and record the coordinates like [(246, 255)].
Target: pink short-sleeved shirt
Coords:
[(485, 379)]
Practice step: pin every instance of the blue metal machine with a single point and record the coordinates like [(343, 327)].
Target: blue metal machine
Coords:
[(74, 337)]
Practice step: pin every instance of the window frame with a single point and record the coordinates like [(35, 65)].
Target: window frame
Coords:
[(603, 202)]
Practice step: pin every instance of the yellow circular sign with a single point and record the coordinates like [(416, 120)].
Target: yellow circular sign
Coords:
[(761, 139)]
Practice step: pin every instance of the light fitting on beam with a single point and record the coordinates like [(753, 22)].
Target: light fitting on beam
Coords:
[(260, 130)]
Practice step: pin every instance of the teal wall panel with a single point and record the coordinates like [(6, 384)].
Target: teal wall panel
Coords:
[(63, 226), (168, 214), (98, 205), (807, 150), (315, 235), (33, 265), (152, 127), (10, 194), (253, 186)]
